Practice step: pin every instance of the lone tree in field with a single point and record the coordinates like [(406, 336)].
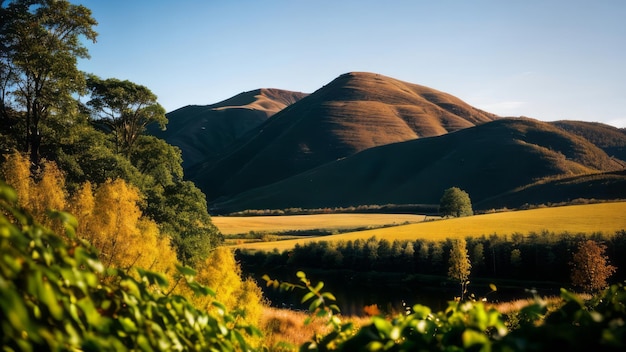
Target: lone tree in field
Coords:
[(460, 264), (455, 202), (590, 266)]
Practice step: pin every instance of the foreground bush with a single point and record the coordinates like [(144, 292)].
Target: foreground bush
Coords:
[(598, 324), (57, 296)]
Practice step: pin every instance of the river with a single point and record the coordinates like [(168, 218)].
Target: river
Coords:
[(394, 293)]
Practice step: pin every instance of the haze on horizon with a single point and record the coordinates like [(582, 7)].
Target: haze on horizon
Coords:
[(550, 60)]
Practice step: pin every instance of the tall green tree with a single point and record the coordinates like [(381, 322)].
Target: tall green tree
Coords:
[(185, 218), (41, 43), (126, 108), (459, 266), (455, 202)]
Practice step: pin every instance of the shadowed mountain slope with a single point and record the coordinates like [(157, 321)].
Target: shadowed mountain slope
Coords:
[(487, 161), (204, 132), (354, 112), (610, 139), (604, 186)]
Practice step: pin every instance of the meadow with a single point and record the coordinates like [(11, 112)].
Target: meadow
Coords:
[(331, 222), (606, 218)]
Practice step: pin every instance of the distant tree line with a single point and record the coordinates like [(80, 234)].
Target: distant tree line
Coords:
[(541, 256), (431, 209)]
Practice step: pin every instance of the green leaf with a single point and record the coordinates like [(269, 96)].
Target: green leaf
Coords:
[(395, 333), (374, 346), (221, 307), (7, 193), (49, 298), (185, 270), (153, 278), (307, 297), (240, 340), (493, 287), (318, 287), (321, 313), (571, 297), (471, 338), (421, 312), (329, 296), (200, 290), (127, 324), (382, 325), (315, 304), (69, 221)]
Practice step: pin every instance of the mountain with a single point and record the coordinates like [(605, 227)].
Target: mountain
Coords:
[(354, 112), (204, 132), (610, 139), (607, 185), (490, 160)]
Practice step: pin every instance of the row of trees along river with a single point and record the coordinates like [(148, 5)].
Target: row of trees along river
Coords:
[(364, 272)]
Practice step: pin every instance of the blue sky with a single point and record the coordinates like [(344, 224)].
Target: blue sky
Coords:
[(547, 59)]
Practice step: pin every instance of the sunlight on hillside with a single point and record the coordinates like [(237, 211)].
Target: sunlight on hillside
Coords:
[(604, 217), (240, 225)]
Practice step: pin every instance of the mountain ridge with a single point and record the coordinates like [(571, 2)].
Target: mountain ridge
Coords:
[(204, 132), (487, 160), (354, 112), (368, 139)]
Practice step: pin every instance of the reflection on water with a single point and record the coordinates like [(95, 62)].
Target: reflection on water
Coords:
[(392, 293)]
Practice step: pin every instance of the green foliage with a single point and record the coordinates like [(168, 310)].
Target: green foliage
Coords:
[(38, 66), (184, 216), (126, 108), (86, 154), (455, 202), (597, 324), (577, 325), (321, 306), (56, 296)]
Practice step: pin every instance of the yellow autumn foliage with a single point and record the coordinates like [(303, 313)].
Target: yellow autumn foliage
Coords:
[(222, 273), (108, 216), (16, 172), (38, 194)]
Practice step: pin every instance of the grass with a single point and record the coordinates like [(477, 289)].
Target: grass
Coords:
[(273, 224), (604, 217), (287, 326)]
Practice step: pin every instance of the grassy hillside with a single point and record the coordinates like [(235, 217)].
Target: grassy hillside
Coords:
[(605, 217), (606, 185), (354, 112), (486, 161), (610, 139), (204, 132)]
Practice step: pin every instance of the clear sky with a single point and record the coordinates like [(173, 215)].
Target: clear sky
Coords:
[(547, 59)]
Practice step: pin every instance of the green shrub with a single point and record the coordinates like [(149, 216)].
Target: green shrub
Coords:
[(577, 325)]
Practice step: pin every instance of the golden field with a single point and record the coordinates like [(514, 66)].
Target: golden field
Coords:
[(603, 217), (273, 224)]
